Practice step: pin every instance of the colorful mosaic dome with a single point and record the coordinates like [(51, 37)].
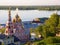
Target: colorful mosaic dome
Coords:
[(16, 19)]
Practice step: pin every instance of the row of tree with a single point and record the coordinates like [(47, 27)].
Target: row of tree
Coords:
[(49, 30)]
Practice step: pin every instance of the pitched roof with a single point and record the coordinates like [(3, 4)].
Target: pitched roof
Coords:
[(3, 36)]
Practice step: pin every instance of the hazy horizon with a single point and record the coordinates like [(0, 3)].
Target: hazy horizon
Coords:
[(29, 14), (25, 15)]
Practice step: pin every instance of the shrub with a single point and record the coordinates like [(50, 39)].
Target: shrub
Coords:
[(50, 40)]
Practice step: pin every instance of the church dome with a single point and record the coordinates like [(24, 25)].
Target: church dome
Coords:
[(14, 20), (17, 16), (19, 19)]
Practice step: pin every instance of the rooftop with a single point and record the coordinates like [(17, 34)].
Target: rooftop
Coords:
[(3, 36), (16, 39)]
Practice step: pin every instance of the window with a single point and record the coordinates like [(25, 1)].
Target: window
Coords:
[(8, 42), (12, 41), (7, 31), (12, 31), (9, 27)]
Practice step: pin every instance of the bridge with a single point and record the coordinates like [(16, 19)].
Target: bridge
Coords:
[(56, 7)]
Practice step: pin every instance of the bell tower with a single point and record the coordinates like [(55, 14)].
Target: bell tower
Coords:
[(9, 25)]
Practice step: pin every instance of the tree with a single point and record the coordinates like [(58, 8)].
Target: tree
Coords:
[(51, 24), (39, 29), (59, 22), (2, 30)]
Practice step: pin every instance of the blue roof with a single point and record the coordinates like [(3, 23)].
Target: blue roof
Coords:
[(16, 39), (2, 36)]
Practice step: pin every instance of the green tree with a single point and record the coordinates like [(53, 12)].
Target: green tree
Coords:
[(51, 25), (39, 29), (2, 30)]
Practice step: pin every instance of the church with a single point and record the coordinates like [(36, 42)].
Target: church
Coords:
[(15, 28)]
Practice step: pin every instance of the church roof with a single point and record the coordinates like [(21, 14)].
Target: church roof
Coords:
[(17, 16), (16, 39), (3, 36), (17, 19)]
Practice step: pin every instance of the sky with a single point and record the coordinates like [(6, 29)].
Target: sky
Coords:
[(29, 2), (29, 14)]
